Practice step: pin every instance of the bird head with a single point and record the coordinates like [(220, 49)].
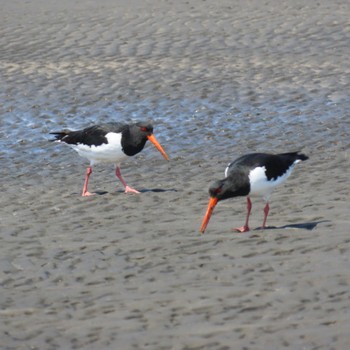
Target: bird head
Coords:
[(146, 129), (220, 190), (216, 191)]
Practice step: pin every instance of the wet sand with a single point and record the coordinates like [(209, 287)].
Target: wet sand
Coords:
[(217, 80)]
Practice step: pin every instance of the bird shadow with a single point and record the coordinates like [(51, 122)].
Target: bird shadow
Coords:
[(145, 190), (100, 193), (301, 226)]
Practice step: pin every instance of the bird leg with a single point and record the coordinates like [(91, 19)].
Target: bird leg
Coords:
[(86, 182), (245, 228), (266, 212), (128, 189)]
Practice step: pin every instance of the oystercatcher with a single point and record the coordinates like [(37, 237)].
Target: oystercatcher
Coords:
[(250, 175), (109, 143)]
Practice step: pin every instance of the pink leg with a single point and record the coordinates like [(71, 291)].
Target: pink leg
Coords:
[(245, 228), (128, 189), (266, 212), (86, 182)]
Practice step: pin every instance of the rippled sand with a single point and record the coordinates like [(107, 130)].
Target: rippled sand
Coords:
[(218, 79)]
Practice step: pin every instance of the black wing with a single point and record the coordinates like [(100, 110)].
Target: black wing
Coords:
[(280, 164), (92, 136), (275, 164)]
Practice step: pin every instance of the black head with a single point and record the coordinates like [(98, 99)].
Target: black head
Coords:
[(219, 190), (223, 189), (135, 137), (144, 128), (228, 188)]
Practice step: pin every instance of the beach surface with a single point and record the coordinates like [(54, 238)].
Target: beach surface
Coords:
[(217, 80)]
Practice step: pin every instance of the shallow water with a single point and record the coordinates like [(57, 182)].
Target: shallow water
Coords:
[(263, 78)]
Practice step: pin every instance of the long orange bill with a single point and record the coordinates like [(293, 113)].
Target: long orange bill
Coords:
[(158, 146), (212, 203)]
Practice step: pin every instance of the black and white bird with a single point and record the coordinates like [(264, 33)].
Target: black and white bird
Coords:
[(109, 143), (255, 174)]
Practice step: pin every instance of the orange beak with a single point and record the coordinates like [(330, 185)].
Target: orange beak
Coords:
[(212, 203), (158, 146)]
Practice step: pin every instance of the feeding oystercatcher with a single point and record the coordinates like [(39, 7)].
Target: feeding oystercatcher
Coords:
[(250, 175), (109, 143)]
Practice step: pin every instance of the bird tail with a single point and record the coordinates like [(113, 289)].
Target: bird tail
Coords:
[(297, 155), (60, 135), (302, 156)]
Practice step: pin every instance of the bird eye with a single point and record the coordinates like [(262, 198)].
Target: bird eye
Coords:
[(218, 190), (144, 129)]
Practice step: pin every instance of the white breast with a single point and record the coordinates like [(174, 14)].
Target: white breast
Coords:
[(110, 152)]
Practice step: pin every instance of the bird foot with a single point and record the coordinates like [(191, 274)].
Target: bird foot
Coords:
[(242, 229), (129, 189), (88, 194)]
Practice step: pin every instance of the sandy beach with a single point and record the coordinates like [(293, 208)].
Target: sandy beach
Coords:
[(217, 80)]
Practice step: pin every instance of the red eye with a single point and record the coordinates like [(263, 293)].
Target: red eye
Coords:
[(217, 190), (144, 129)]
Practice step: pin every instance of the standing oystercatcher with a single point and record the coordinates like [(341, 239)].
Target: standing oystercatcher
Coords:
[(109, 143), (250, 175)]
